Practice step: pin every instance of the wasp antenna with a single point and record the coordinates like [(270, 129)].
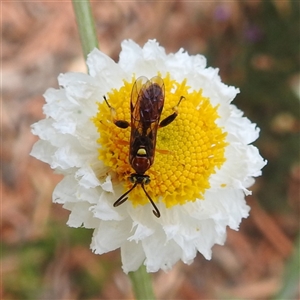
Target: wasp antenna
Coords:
[(123, 198), (156, 210), (120, 201)]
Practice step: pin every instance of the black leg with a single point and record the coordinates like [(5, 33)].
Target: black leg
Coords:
[(120, 123), (172, 117)]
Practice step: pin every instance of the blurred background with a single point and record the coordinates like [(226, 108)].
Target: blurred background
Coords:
[(256, 46)]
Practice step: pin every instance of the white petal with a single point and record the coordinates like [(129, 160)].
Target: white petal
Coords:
[(240, 129), (105, 70), (109, 236), (65, 191), (107, 185), (78, 86), (160, 254), (43, 151), (104, 209), (141, 232), (44, 129), (132, 255), (80, 215), (86, 177)]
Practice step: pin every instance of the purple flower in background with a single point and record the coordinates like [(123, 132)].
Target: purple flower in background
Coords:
[(253, 33), (222, 13)]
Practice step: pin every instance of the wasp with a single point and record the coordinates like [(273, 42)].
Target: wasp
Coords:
[(146, 105)]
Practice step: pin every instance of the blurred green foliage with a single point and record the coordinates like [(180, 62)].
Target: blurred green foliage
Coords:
[(37, 258), (262, 60)]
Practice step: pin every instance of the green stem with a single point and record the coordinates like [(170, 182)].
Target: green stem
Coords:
[(86, 26), (142, 284), (291, 275)]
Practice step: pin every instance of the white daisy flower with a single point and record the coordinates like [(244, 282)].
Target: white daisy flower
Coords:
[(203, 165)]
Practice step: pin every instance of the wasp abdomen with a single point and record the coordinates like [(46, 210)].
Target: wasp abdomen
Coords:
[(140, 162)]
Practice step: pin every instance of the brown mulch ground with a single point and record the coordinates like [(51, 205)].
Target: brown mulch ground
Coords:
[(39, 41)]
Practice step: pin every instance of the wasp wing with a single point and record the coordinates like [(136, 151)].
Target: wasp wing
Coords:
[(147, 101), (137, 88)]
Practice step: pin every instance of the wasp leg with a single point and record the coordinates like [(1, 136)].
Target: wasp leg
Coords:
[(122, 142), (120, 123), (123, 198), (172, 117), (162, 151), (156, 210)]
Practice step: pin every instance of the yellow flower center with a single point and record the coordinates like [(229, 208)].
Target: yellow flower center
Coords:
[(188, 150)]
